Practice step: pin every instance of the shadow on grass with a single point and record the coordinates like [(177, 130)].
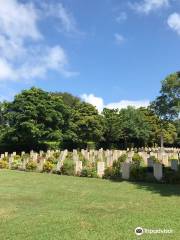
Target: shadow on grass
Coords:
[(163, 189), (159, 188)]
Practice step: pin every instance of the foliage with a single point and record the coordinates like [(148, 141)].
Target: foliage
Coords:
[(114, 172), (3, 164), (33, 119), (51, 145), (112, 127), (138, 173), (68, 167), (167, 105), (48, 166), (135, 127), (86, 125), (122, 158), (137, 159), (31, 166), (40, 120), (89, 171), (56, 155), (154, 159), (17, 157), (15, 164), (91, 145), (171, 176), (52, 160), (109, 173)]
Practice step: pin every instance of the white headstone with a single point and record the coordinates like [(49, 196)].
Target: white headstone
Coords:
[(150, 162), (174, 165), (100, 168), (78, 167), (165, 160), (158, 173), (11, 159), (125, 167)]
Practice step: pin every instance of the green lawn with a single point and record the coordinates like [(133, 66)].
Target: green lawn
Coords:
[(51, 207)]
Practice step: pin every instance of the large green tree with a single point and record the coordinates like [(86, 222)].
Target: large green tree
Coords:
[(35, 119), (112, 128), (167, 105), (136, 130), (86, 125)]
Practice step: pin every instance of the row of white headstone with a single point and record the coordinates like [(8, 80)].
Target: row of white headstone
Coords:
[(157, 169), (108, 156), (101, 154)]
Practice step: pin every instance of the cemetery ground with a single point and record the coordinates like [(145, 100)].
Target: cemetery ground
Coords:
[(35, 206)]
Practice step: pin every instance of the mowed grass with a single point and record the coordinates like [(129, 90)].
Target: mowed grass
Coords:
[(36, 206)]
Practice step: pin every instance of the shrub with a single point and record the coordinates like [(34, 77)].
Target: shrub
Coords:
[(52, 160), (3, 164), (171, 176), (89, 172), (109, 173), (82, 158), (56, 155), (5, 159), (17, 157), (15, 164), (31, 165), (137, 159), (68, 168), (138, 173), (114, 172), (122, 158), (48, 166)]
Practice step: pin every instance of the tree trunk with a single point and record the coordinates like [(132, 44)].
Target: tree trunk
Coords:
[(162, 141)]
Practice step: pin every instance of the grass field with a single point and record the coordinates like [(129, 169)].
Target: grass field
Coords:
[(51, 207)]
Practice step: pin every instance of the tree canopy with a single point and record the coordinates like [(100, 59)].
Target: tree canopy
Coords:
[(167, 105), (37, 119)]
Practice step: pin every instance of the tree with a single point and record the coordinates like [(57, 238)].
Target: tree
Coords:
[(167, 105), (177, 125), (136, 130), (67, 98), (86, 125), (35, 119), (112, 127)]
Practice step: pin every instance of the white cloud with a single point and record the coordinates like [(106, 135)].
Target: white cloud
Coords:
[(126, 103), (174, 22), (6, 71), (24, 55), (18, 20), (98, 102), (146, 6), (119, 38), (65, 18), (53, 58), (121, 17)]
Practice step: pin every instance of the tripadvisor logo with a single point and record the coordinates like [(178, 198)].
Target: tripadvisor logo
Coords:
[(139, 231)]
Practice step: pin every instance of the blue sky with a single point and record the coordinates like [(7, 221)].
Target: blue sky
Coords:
[(111, 53)]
